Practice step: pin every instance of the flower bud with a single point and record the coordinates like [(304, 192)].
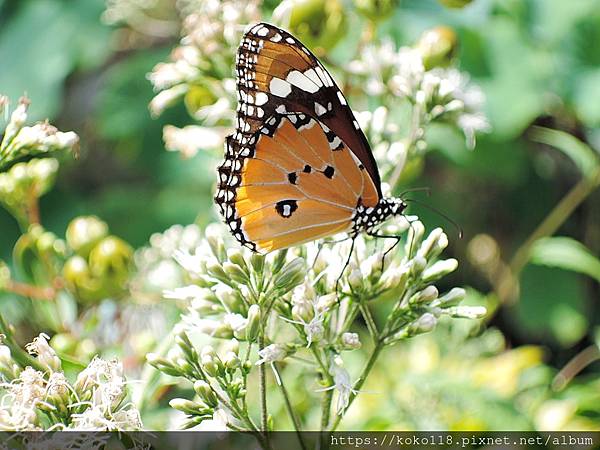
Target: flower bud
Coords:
[(233, 345), (303, 311), (423, 324), (228, 297), (231, 361), (455, 3), (438, 47), (111, 260), (84, 233), (452, 298), (205, 392), (325, 302), (427, 295), (189, 407), (253, 323), (235, 272), (418, 264), (429, 243), (415, 234), (355, 279), (466, 312), (258, 263), (291, 275), (439, 269), (350, 341)]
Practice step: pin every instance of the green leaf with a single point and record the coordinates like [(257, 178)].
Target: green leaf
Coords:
[(584, 157), (565, 253)]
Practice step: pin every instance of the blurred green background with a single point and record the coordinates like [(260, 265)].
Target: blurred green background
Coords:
[(538, 62)]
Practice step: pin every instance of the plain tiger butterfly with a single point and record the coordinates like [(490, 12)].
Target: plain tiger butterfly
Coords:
[(298, 167)]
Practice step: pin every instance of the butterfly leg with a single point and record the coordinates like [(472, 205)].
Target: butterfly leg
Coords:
[(385, 236), (337, 283)]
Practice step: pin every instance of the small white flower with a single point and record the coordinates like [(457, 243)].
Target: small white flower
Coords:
[(237, 322), (270, 354), (189, 293), (193, 138), (342, 384), (470, 124), (351, 340)]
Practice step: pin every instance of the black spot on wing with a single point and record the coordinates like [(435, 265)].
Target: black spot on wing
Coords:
[(285, 208)]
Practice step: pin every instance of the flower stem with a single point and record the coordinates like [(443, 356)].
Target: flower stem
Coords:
[(263, 391), (288, 405), (547, 227), (360, 381)]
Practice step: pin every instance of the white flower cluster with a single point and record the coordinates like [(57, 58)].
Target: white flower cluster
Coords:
[(156, 269), (438, 93), (19, 140), (34, 398)]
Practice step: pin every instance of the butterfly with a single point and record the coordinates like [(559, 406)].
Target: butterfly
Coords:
[(298, 167)]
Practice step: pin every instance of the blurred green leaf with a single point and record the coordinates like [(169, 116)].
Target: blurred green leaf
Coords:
[(587, 93), (565, 253), (584, 157), (551, 307), (43, 42)]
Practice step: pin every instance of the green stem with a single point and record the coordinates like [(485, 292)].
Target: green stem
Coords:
[(263, 391), (547, 227), (371, 326), (290, 410), (18, 354), (360, 381)]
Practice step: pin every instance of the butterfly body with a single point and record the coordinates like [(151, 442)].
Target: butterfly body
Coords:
[(298, 168)]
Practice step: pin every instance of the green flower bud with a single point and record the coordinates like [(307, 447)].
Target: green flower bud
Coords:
[(319, 24), (84, 233), (376, 10), (229, 298), (189, 407), (236, 257), (258, 263), (215, 270), (183, 342), (231, 361), (205, 392), (162, 364), (438, 47), (253, 323), (455, 3), (112, 258), (291, 275), (278, 261), (235, 272), (198, 97)]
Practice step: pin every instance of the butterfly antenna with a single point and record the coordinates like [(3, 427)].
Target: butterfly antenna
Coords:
[(417, 189), (441, 214)]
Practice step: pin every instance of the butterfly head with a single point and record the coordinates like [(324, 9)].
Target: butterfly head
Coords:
[(367, 218)]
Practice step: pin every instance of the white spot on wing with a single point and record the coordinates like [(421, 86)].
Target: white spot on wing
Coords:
[(320, 109), (299, 80), (342, 98), (279, 87), (261, 98)]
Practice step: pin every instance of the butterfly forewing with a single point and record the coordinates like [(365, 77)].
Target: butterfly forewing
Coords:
[(276, 73)]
